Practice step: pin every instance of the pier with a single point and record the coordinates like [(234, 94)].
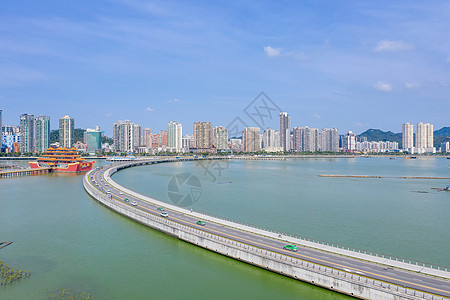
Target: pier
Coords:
[(375, 176), (26, 172)]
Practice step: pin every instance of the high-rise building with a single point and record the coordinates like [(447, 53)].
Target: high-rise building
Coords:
[(42, 133), (285, 131), (407, 136), (93, 140), (127, 136), (329, 140), (66, 132), (202, 135), (26, 133), (349, 142), (271, 138), (10, 129), (187, 141), (251, 138), (220, 138), (305, 139), (146, 137), (424, 138), (174, 135)]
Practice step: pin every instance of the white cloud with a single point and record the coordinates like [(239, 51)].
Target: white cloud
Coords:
[(412, 85), (174, 100), (150, 109), (272, 52), (392, 46), (383, 86)]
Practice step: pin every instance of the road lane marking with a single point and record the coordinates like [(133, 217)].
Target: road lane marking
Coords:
[(279, 250)]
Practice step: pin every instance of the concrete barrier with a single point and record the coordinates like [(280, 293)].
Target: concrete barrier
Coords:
[(333, 279)]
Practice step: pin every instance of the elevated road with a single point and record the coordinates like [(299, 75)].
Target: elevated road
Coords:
[(435, 286)]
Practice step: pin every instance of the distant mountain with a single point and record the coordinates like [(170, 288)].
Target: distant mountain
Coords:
[(374, 135), (444, 131), (78, 135)]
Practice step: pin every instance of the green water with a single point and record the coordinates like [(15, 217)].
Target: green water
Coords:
[(402, 217), (67, 240)]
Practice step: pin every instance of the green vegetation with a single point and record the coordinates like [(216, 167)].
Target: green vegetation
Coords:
[(375, 135), (8, 275), (108, 140), (78, 135), (69, 294)]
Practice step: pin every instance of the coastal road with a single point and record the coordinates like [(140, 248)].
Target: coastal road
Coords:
[(391, 275)]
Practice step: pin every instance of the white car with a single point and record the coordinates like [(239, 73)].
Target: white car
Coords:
[(164, 214), (120, 193), (134, 203)]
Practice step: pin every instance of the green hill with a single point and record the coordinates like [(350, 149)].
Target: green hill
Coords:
[(444, 131), (374, 135), (78, 135)]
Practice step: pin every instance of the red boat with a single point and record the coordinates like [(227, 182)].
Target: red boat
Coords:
[(62, 160)]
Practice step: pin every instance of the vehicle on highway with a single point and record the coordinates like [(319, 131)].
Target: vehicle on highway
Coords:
[(120, 193), (290, 247), (200, 222), (126, 200), (134, 203), (164, 214), (161, 208)]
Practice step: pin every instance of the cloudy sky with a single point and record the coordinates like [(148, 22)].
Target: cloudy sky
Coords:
[(353, 65)]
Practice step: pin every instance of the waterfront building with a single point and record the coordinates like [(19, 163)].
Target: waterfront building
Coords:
[(146, 137), (93, 140), (329, 140), (349, 142), (26, 133), (187, 141), (271, 138), (424, 138), (202, 135), (127, 136), (42, 133), (8, 141), (236, 145), (220, 138), (251, 138), (407, 137), (16, 147), (66, 132), (445, 147), (305, 139), (174, 135), (285, 131), (10, 129), (159, 140), (376, 147)]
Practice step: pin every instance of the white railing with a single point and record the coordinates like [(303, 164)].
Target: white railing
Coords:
[(143, 217)]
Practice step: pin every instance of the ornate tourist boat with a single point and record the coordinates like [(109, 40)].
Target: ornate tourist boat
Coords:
[(62, 160)]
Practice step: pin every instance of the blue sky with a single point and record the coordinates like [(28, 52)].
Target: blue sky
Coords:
[(353, 65)]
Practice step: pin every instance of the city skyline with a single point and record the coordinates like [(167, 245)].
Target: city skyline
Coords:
[(377, 65)]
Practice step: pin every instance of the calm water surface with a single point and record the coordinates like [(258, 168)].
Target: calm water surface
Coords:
[(67, 240)]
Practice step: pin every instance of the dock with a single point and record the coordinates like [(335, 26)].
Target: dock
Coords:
[(26, 172), (375, 176)]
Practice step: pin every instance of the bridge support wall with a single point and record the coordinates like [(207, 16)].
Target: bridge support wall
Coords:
[(336, 280)]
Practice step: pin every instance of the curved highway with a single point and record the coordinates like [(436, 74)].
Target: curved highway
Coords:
[(391, 275)]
